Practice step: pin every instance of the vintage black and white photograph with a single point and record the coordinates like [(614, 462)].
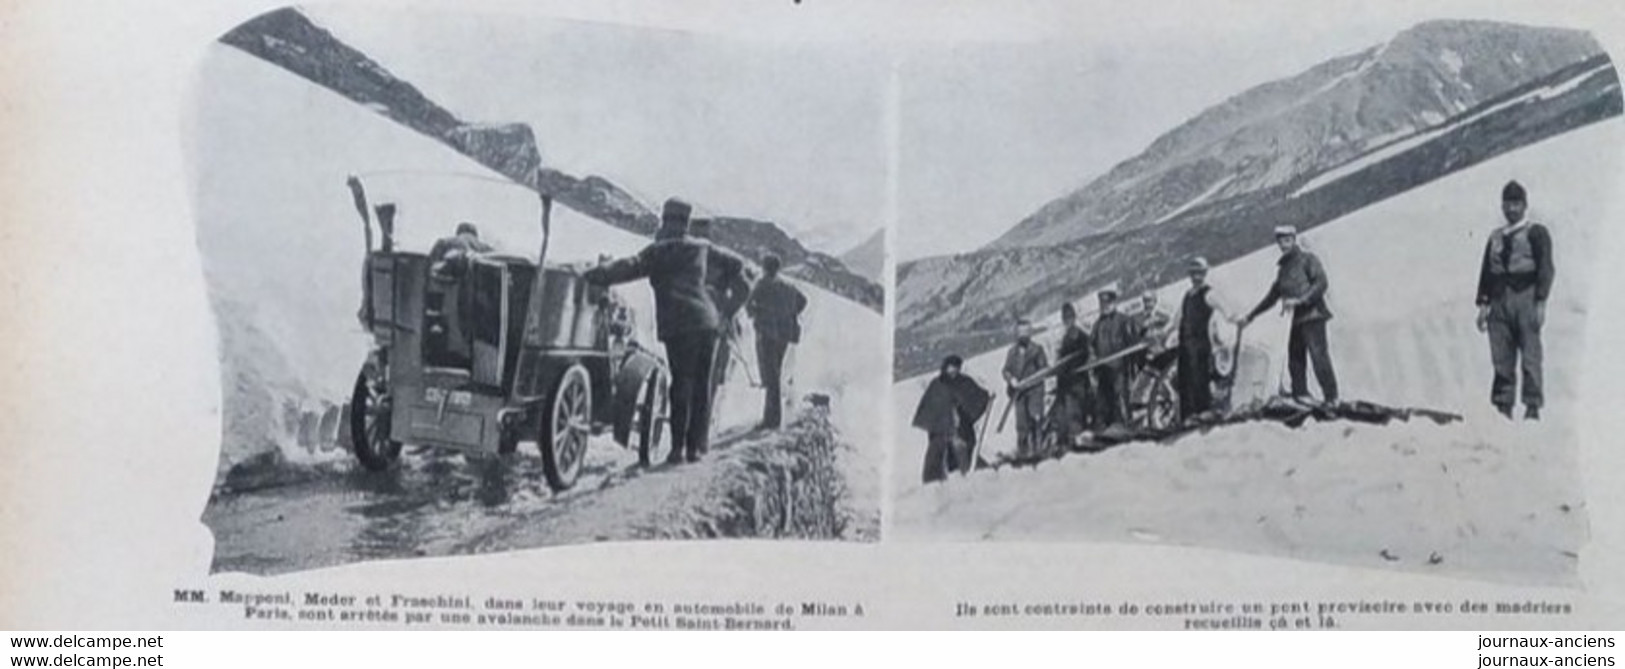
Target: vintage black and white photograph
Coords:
[(1301, 294), (487, 282)]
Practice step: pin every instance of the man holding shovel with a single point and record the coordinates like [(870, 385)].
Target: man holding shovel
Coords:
[(1300, 287), (1025, 359)]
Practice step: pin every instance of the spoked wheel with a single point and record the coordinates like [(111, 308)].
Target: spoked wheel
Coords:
[(370, 406), (1161, 408), (651, 414), (566, 425)]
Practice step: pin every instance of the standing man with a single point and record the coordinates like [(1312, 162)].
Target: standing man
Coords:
[(1513, 283), (1300, 286), (1156, 323), (775, 309), (685, 320), (725, 293), (948, 412), (1071, 413), (1196, 368), (1024, 359), (449, 298), (1114, 331)]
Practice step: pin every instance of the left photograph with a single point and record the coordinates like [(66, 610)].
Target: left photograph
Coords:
[(487, 282)]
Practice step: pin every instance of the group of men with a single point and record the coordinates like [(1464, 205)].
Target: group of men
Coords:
[(699, 288), (1515, 279)]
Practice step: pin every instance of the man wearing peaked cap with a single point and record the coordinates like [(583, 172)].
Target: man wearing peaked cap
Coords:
[(1114, 331), (686, 321), (674, 219), (1514, 281), (1300, 287)]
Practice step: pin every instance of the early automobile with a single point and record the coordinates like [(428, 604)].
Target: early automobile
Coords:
[(486, 353)]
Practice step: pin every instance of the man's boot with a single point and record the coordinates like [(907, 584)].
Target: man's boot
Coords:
[(1505, 409), (1531, 413), (675, 457)]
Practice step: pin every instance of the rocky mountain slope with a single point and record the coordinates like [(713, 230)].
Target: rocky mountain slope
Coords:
[(290, 40), (1305, 150)]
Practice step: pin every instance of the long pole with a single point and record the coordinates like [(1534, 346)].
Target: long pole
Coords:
[(360, 197)]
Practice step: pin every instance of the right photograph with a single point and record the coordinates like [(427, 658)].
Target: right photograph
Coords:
[(1321, 297)]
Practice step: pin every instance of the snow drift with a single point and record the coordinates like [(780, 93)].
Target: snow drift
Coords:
[(1403, 274), (282, 248)]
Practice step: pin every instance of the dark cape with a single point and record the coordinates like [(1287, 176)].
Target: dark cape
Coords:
[(947, 401)]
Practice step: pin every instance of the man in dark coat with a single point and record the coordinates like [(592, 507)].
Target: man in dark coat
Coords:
[(1196, 369), (1300, 287), (1114, 331), (449, 299), (775, 309), (728, 297), (948, 412), (686, 321), (1071, 412), (1514, 281), (1024, 359)]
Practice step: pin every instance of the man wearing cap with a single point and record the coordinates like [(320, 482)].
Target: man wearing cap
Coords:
[(1114, 331), (1300, 287), (1196, 370), (686, 321), (448, 339), (775, 309), (948, 412), (1071, 412), (1025, 359), (1514, 281), (726, 295)]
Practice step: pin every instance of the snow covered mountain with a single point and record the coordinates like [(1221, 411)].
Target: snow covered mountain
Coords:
[(1285, 130), (1304, 150)]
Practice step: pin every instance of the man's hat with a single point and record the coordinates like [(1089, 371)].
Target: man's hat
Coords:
[(1108, 289), (953, 361), (771, 263), (1286, 231), (1197, 264), (674, 219), (1513, 192), (676, 209), (1068, 310), (467, 227)]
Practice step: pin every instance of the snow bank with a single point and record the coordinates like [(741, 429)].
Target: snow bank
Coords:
[(280, 237), (1403, 274)]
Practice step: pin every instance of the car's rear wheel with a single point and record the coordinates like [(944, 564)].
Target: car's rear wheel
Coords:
[(566, 426), (370, 406)]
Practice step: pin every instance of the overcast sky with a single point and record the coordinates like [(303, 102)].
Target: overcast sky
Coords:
[(789, 134), (776, 112)]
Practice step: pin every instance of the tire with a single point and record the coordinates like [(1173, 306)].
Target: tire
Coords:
[(566, 425), (1162, 405), (651, 414), (370, 425)]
